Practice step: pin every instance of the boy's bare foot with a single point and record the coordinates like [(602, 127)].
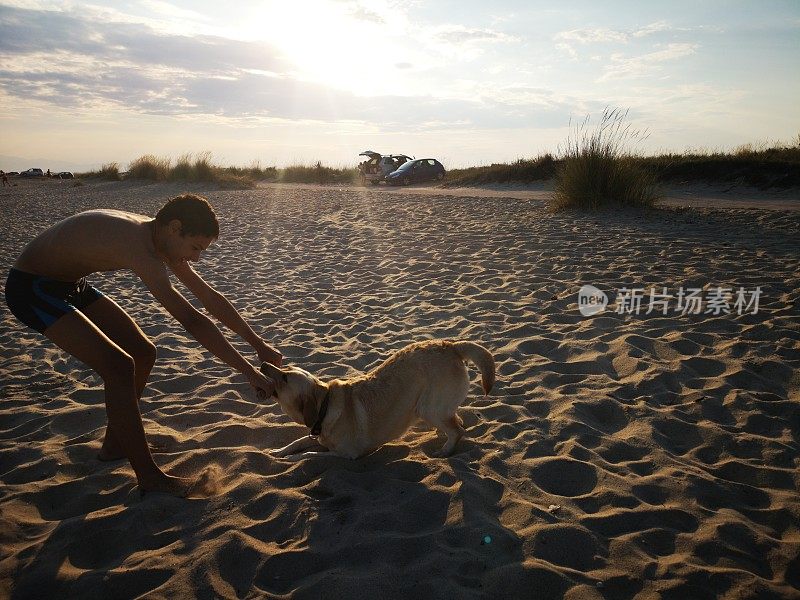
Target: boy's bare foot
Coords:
[(167, 484), (206, 484)]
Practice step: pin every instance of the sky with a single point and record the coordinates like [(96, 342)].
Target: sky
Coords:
[(468, 82)]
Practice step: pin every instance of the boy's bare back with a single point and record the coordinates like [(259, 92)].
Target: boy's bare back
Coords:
[(91, 241)]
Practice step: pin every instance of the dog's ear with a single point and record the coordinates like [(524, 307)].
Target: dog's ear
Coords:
[(272, 372), (310, 411)]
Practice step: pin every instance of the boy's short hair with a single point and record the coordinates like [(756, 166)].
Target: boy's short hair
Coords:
[(195, 214)]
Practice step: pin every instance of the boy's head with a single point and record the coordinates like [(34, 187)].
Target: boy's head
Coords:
[(194, 213)]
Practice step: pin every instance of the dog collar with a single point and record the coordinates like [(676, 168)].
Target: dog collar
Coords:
[(323, 410)]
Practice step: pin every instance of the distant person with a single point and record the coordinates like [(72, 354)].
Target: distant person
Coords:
[(48, 173), (5, 178), (48, 291)]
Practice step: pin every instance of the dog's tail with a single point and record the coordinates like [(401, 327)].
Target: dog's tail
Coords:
[(481, 357)]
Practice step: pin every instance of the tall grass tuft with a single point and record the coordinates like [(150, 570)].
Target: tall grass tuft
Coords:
[(198, 168), (597, 169), (203, 170), (149, 167), (109, 171)]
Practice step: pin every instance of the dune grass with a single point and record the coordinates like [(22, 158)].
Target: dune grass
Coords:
[(109, 171), (317, 173), (255, 172), (598, 169), (149, 167), (200, 168), (764, 166), (191, 168), (595, 168), (522, 170)]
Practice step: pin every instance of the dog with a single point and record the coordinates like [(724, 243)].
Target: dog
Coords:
[(354, 417)]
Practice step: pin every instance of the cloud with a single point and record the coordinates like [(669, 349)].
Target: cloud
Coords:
[(26, 32), (603, 35), (364, 14), (623, 67), (159, 7), (566, 40), (592, 36), (653, 28), (458, 34), (88, 66)]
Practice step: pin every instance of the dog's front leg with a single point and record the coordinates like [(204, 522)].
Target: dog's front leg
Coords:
[(322, 451), (299, 445)]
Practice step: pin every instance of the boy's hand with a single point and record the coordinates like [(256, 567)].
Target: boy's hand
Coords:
[(264, 386), (267, 353)]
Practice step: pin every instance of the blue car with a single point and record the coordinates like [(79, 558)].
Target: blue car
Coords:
[(421, 169)]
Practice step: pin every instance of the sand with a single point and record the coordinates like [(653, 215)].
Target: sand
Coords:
[(618, 456)]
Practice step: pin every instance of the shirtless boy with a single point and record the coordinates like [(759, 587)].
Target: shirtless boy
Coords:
[(47, 290)]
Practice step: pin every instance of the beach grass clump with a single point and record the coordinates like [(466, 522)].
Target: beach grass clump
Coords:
[(194, 168), (203, 170), (109, 172), (598, 170), (150, 168), (182, 171)]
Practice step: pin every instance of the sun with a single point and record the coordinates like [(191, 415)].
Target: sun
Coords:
[(328, 43)]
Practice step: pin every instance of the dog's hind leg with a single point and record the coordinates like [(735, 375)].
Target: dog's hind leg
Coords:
[(453, 428)]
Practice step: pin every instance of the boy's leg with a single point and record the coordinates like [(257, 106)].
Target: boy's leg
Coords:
[(123, 331), (78, 336)]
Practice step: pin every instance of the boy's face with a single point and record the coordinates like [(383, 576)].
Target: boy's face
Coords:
[(185, 247), (192, 246)]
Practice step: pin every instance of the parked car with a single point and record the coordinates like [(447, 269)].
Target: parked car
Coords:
[(65, 175), (12, 173), (421, 169), (32, 173), (378, 166)]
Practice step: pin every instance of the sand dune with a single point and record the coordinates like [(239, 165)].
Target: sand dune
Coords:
[(618, 456)]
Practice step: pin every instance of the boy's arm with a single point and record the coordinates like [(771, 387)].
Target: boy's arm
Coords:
[(219, 306), (155, 277)]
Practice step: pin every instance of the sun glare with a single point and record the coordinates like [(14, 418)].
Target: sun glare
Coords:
[(328, 43)]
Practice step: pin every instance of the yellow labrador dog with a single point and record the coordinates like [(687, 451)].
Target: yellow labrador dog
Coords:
[(353, 417)]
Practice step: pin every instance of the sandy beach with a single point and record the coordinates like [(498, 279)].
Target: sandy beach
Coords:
[(620, 455)]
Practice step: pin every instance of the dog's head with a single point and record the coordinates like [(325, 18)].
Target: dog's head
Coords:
[(298, 392)]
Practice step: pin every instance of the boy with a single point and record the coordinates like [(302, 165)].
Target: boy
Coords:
[(47, 290)]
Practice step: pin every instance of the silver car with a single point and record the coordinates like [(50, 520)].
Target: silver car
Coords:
[(378, 166)]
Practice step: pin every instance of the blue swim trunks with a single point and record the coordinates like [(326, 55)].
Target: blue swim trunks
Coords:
[(40, 301)]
